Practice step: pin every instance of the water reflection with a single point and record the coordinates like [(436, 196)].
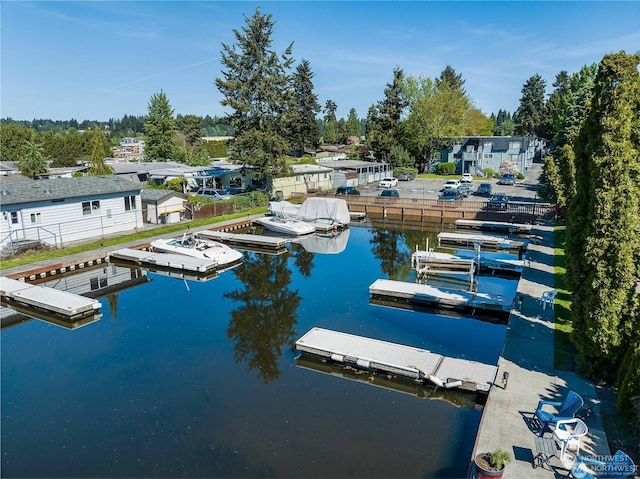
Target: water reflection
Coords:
[(265, 323)]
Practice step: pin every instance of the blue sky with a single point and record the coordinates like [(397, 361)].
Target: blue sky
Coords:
[(99, 60)]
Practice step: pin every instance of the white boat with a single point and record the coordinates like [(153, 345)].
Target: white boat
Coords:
[(192, 245), (286, 226)]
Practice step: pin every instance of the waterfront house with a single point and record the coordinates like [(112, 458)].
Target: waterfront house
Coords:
[(306, 178), (162, 206), (56, 212)]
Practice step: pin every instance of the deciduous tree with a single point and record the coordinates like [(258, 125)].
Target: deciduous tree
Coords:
[(32, 159)]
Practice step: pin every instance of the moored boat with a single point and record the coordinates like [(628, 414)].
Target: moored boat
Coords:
[(285, 226), (192, 245)]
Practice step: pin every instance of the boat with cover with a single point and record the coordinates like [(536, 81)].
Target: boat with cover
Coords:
[(284, 225), (197, 247)]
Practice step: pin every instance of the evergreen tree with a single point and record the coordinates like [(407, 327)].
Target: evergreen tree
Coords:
[(304, 127), (159, 127), (383, 121), (530, 115), (32, 160), (352, 125), (98, 153), (256, 87), (603, 225), (330, 135), (450, 77)]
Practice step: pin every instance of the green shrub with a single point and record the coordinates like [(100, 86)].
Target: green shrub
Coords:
[(490, 173), (445, 168), (520, 176)]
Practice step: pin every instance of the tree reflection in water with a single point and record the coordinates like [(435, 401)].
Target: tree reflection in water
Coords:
[(265, 322)]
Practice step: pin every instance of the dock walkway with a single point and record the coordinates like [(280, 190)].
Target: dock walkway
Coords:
[(61, 302), (398, 359)]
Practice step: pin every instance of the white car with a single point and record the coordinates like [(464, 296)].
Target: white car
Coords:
[(466, 178), (388, 183), (451, 185)]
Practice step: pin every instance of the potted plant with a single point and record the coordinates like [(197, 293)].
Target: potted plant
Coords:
[(491, 464)]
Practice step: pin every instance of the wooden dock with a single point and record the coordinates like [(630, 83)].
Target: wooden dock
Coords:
[(164, 260), (56, 301), (497, 226), (259, 243), (399, 360), (463, 240), (425, 295)]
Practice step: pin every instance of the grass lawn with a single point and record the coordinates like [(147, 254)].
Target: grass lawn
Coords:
[(35, 256), (565, 351)]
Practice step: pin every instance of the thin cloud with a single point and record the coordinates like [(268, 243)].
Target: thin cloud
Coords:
[(167, 72)]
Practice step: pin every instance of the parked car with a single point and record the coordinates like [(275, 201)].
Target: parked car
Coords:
[(450, 195), (388, 183), (507, 179), (466, 189), (405, 177), (389, 194), (484, 189), (451, 184), (347, 190), (214, 193), (466, 178), (499, 201)]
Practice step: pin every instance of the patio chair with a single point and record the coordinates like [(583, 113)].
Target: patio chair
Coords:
[(569, 432), (620, 466), (548, 298), (566, 410)]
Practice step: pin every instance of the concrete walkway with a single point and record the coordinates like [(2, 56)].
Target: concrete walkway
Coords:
[(528, 358)]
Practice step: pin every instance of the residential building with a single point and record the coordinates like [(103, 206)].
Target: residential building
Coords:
[(56, 212), (474, 154), (162, 206), (306, 178), (357, 172)]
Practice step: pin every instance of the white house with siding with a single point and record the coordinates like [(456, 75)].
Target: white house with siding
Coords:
[(162, 206), (306, 178), (56, 212)]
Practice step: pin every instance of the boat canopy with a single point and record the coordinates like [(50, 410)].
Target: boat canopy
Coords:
[(335, 209)]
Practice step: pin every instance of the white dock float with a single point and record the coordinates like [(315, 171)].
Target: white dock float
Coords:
[(424, 261), (48, 299), (269, 242), (441, 297), (397, 359), (164, 260), (485, 241), (513, 228)]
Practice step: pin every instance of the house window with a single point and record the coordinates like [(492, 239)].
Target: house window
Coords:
[(35, 218), (90, 207), (14, 217), (514, 145), (487, 156), (129, 203), (298, 178)]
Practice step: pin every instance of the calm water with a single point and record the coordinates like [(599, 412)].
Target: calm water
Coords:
[(200, 379)]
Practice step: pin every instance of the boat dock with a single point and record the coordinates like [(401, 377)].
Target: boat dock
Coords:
[(432, 262), (425, 295), (497, 226), (69, 305), (259, 243), (399, 360), (164, 260), (484, 241)]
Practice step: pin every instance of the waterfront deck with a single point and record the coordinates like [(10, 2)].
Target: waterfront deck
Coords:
[(467, 302), (397, 359), (164, 260), (52, 300)]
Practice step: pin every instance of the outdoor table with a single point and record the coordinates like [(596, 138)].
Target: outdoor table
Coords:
[(545, 449)]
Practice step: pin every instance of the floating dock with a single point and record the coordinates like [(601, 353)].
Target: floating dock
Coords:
[(164, 260), (425, 295), (259, 243), (498, 226), (484, 241), (69, 305), (399, 360)]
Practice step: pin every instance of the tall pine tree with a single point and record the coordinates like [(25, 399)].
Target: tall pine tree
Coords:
[(603, 225), (159, 128), (304, 127)]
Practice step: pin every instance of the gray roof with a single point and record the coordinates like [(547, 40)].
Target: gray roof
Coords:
[(34, 191), (154, 194)]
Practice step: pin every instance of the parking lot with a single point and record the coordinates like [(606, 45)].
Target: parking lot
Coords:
[(523, 190)]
